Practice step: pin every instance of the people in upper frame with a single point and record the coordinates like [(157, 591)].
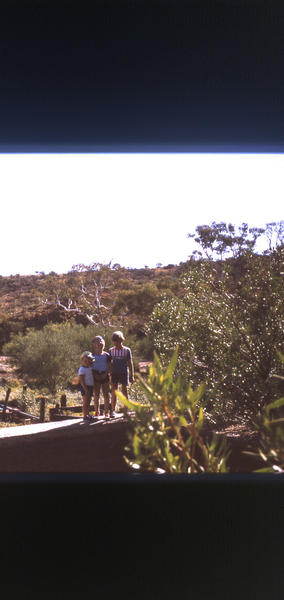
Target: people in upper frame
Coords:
[(122, 370), (101, 369), (86, 383)]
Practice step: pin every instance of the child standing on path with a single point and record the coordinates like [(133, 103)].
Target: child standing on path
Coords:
[(101, 369), (122, 370), (86, 381)]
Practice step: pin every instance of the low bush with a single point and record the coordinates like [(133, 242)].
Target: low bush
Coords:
[(167, 433), (49, 357)]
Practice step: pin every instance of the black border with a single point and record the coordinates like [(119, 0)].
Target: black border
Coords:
[(144, 536)]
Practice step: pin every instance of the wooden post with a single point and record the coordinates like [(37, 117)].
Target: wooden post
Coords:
[(42, 410), (5, 404), (63, 401), (24, 396)]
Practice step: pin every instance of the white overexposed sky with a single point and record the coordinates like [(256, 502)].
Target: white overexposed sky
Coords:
[(58, 210)]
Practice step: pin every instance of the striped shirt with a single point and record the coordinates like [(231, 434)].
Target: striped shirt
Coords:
[(119, 359)]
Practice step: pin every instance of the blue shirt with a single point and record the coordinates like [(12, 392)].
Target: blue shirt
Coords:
[(101, 361)]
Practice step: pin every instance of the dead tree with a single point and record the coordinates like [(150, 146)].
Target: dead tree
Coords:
[(86, 299)]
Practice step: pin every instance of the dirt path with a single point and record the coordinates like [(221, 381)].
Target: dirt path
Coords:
[(65, 447)]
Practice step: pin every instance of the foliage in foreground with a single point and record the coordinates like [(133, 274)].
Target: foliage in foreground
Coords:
[(271, 429), (271, 446), (166, 433)]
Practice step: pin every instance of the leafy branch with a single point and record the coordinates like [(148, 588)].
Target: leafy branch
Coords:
[(166, 431)]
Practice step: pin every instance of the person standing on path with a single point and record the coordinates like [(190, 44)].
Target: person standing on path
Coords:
[(86, 381), (101, 369), (122, 370)]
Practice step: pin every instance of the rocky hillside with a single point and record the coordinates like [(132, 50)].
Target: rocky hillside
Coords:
[(31, 300)]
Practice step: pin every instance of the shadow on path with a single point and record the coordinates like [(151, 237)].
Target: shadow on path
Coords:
[(95, 448)]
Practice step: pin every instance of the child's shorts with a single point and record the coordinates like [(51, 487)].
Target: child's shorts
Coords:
[(120, 378), (101, 376), (90, 388)]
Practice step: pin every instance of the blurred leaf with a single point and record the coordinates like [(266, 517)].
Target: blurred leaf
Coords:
[(168, 455), (276, 404), (200, 418), (195, 396), (188, 442), (265, 470), (199, 392), (156, 365), (145, 387), (264, 458), (281, 356), (183, 421), (171, 367), (136, 443), (248, 453), (276, 422), (132, 404)]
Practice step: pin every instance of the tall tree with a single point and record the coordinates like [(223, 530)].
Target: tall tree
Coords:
[(219, 239), (229, 326)]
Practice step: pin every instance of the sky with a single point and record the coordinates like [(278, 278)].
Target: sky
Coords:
[(59, 210)]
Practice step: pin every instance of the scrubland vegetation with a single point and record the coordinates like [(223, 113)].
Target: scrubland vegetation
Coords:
[(223, 308)]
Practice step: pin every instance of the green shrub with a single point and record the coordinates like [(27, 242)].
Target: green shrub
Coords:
[(227, 324), (5, 329), (139, 300), (51, 356), (270, 425), (166, 434), (271, 444)]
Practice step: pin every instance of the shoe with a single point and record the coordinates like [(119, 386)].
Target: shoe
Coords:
[(107, 415), (97, 414), (112, 414), (88, 419)]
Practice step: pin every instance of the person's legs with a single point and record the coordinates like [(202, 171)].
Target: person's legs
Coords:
[(114, 387), (97, 387), (105, 387), (86, 405), (124, 390)]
